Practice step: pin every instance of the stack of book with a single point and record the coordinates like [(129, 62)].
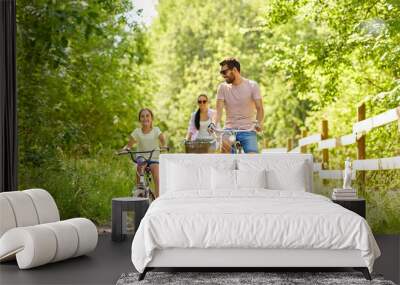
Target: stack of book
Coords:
[(344, 194)]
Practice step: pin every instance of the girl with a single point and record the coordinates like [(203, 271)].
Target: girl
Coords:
[(148, 138)]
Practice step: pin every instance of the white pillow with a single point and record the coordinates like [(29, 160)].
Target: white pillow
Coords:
[(251, 178), (280, 178), (282, 174), (223, 179), (184, 177), (194, 173)]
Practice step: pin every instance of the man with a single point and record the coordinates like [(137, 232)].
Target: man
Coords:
[(241, 99)]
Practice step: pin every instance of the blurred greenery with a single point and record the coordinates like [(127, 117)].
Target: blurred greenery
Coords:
[(85, 68), (84, 186)]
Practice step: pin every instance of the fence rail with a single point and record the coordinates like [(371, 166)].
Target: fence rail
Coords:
[(359, 128), (377, 121)]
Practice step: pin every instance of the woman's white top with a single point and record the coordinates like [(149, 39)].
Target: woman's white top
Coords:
[(203, 133)]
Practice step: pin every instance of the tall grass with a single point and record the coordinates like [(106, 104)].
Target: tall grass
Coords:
[(83, 187)]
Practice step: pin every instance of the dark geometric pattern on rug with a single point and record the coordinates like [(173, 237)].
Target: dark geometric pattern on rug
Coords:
[(253, 278)]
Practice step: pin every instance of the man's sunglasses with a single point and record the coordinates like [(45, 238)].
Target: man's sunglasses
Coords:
[(223, 72), (202, 101)]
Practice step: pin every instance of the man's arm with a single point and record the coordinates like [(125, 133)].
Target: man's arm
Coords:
[(216, 120), (260, 114)]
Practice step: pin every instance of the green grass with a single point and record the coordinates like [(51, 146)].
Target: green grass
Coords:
[(83, 187)]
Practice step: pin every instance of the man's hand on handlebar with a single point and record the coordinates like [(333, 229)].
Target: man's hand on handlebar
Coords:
[(257, 127)]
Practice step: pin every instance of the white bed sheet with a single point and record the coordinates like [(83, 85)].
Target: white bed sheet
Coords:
[(250, 218)]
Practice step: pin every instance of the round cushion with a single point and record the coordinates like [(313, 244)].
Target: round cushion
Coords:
[(33, 246), (87, 234), (7, 215), (23, 208), (66, 238), (45, 206)]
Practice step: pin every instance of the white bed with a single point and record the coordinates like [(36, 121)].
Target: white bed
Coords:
[(214, 223)]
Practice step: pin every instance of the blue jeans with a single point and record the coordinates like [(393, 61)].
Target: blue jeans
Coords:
[(248, 140), (150, 162)]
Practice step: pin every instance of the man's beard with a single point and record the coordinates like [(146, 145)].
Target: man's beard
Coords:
[(230, 80)]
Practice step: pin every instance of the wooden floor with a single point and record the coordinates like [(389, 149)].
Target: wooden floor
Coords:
[(111, 259), (103, 266)]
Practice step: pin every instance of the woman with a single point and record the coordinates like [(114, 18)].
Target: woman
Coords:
[(200, 120), (148, 138)]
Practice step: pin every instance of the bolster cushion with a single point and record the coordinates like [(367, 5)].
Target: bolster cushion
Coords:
[(26, 208), (7, 218), (40, 244)]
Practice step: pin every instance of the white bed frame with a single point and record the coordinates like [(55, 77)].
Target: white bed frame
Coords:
[(234, 257), (250, 258)]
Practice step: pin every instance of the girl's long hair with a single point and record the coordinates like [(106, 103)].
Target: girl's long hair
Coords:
[(197, 115), (151, 114)]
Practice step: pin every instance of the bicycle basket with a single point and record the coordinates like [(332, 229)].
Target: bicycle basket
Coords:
[(200, 146)]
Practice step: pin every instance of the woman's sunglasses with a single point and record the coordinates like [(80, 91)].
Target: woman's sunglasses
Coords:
[(202, 101)]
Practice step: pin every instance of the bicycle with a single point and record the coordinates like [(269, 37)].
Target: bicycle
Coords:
[(236, 145), (143, 189)]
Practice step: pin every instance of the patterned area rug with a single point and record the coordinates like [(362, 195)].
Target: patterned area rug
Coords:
[(242, 278)]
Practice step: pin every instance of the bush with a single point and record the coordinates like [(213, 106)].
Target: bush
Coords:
[(83, 187)]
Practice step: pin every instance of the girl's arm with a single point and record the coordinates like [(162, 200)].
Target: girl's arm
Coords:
[(163, 141), (130, 143)]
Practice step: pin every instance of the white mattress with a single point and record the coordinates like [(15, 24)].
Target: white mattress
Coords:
[(250, 219)]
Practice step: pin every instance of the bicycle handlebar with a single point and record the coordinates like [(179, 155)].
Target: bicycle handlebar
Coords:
[(213, 129), (233, 130), (133, 153), (126, 151)]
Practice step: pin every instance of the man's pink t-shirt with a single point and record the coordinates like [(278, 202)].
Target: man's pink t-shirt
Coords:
[(239, 103)]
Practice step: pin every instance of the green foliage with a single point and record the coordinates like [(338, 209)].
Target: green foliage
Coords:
[(82, 73), (84, 70), (83, 186), (189, 39)]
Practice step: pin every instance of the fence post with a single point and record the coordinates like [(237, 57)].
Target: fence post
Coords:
[(361, 147), (289, 145), (303, 149), (325, 152)]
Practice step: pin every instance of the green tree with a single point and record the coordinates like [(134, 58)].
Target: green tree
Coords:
[(189, 39), (83, 72)]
